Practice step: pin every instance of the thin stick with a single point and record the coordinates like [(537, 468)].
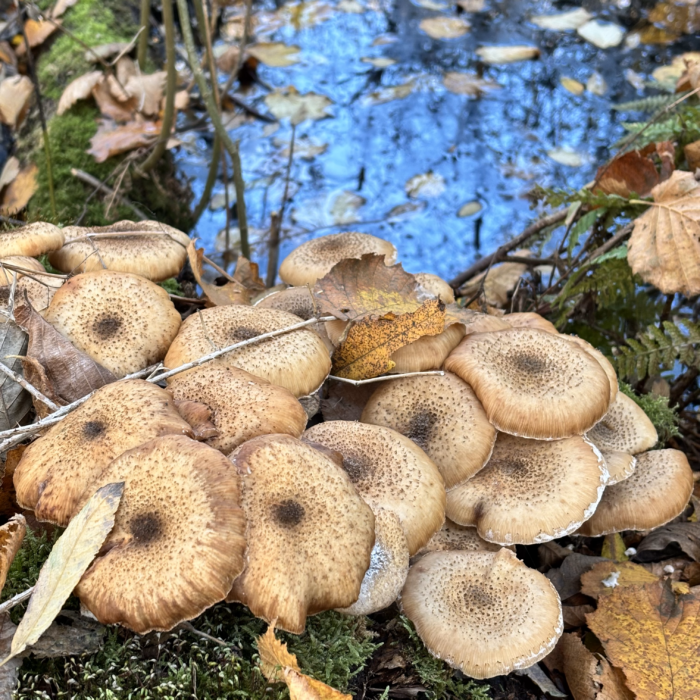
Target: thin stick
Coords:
[(94, 182), (16, 600), (487, 260), (386, 377), (191, 628), (219, 269), (210, 181), (142, 51), (239, 186), (276, 223), (29, 387), (28, 272)]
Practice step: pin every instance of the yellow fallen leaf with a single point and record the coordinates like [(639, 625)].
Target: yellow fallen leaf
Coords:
[(604, 35), (444, 27), (668, 75), (469, 209), (369, 343), (653, 636), (20, 191), (15, 93), (290, 104), (275, 54), (381, 62), (224, 295), (302, 687), (79, 89), (69, 559), (573, 86), (497, 55), (37, 32), (389, 94), (562, 21), (607, 576), (468, 84), (664, 248), (11, 536)]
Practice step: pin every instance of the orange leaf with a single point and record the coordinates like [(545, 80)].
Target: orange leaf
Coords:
[(302, 687), (110, 141), (20, 191), (627, 174), (11, 536), (274, 657), (37, 33), (229, 293)]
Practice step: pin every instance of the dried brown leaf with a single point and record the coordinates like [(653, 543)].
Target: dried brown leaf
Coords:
[(607, 576), (109, 106), (627, 174), (110, 140), (229, 293), (468, 84), (15, 402), (79, 89), (20, 191), (37, 32), (15, 94), (148, 91), (11, 535), (670, 541), (9, 172)]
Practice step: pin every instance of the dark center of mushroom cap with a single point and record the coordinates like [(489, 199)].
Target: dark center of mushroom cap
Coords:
[(330, 244), (5, 294), (357, 467), (93, 429), (420, 428), (288, 513), (107, 327), (478, 597), (244, 333), (512, 466), (146, 527), (529, 363)]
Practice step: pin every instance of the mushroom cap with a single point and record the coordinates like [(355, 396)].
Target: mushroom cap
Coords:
[(442, 415), (178, 538), (58, 467), (476, 322), (388, 567), (452, 537), (602, 361), (485, 613), (315, 258), (309, 533), (624, 428), (531, 491), (436, 286), (428, 352), (620, 465), (123, 321), (39, 286), (658, 491), (531, 383), (243, 406), (389, 471), (148, 248), (31, 240), (297, 361), (529, 319)]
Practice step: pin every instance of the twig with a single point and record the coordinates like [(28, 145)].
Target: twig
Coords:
[(27, 272), (191, 628), (187, 300), (210, 181), (13, 292), (94, 182), (276, 222), (219, 269), (142, 51), (16, 600), (29, 387), (11, 221), (483, 264), (385, 377), (612, 242)]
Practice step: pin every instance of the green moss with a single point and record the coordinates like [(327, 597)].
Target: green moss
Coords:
[(172, 286), (664, 418)]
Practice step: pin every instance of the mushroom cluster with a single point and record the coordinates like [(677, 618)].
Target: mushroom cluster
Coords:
[(517, 435)]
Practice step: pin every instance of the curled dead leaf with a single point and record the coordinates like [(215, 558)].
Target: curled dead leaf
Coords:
[(629, 173), (110, 140), (15, 94), (230, 293), (79, 89), (37, 32), (20, 191), (11, 535)]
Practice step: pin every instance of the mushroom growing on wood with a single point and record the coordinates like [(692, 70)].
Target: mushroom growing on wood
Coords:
[(243, 406), (309, 533), (485, 613), (151, 249), (31, 240), (56, 469), (315, 258), (441, 415), (532, 383), (531, 491), (298, 360), (178, 538), (657, 492), (122, 321), (389, 471)]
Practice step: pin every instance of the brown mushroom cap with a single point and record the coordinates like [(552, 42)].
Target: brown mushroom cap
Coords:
[(297, 361), (620, 465), (441, 415), (428, 352), (529, 319), (148, 248), (531, 491), (178, 538), (122, 321), (436, 286), (31, 240), (624, 428), (658, 491), (476, 322), (389, 471), (531, 383), (601, 359), (243, 406), (39, 286), (452, 537), (484, 613), (388, 567), (56, 469), (309, 533), (315, 258)]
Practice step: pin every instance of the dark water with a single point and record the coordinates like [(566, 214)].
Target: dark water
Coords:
[(490, 150)]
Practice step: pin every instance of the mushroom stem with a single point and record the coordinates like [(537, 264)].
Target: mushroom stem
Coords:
[(384, 377), (29, 387)]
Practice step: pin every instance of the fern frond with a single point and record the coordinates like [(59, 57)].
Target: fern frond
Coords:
[(609, 279), (647, 104), (582, 225)]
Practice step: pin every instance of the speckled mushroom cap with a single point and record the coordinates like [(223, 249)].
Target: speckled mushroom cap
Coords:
[(531, 491), (39, 286), (436, 286), (388, 567), (531, 383), (485, 613), (529, 319), (441, 415), (620, 465), (458, 538), (428, 352), (243, 406), (31, 240), (178, 538), (122, 321), (624, 428), (309, 533), (600, 358), (658, 491), (298, 361), (389, 471), (148, 248), (56, 469), (315, 258), (476, 322)]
